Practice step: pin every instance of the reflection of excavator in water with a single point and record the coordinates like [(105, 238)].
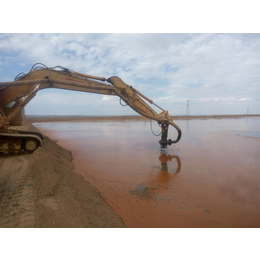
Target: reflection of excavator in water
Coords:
[(164, 158), (14, 96)]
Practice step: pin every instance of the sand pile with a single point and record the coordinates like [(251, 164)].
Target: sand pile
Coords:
[(41, 190)]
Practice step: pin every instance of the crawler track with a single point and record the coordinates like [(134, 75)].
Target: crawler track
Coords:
[(19, 142)]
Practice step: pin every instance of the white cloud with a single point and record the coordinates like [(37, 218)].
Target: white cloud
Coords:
[(111, 99), (245, 99)]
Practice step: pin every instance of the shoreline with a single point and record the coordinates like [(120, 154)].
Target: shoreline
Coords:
[(34, 119), (43, 190)]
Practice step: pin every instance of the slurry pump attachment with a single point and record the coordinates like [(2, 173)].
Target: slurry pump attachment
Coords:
[(164, 142)]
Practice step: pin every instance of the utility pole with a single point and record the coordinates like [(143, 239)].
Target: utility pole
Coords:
[(188, 108)]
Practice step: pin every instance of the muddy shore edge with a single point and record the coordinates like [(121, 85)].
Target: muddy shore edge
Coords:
[(41, 190), (37, 119)]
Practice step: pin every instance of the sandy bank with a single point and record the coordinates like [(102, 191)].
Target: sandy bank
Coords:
[(42, 190)]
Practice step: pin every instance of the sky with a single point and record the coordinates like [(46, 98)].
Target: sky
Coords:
[(217, 72), (201, 51)]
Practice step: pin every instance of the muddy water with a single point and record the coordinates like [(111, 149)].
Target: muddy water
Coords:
[(211, 178)]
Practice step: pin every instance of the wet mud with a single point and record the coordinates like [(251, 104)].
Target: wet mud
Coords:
[(210, 179)]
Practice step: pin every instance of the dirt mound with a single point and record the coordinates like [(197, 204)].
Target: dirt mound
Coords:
[(41, 190)]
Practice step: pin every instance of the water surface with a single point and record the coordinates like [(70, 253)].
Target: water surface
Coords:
[(209, 179)]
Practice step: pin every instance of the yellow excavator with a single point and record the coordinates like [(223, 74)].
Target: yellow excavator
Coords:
[(14, 96)]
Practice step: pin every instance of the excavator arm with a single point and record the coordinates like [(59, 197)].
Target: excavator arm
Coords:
[(14, 96)]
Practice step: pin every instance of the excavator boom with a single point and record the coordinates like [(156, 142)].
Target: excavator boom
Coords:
[(14, 96)]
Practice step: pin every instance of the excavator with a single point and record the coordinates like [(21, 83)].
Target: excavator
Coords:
[(14, 96)]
